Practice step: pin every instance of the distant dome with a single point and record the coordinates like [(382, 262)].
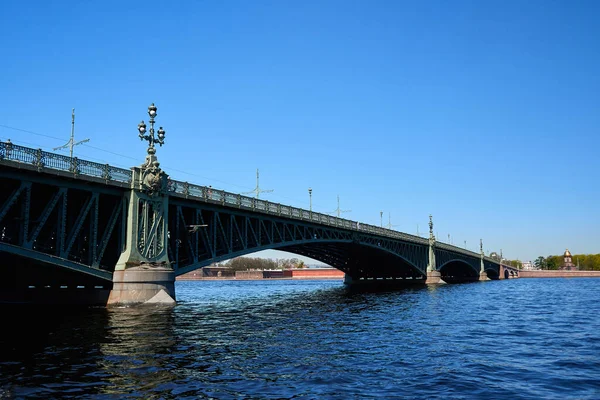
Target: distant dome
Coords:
[(567, 253)]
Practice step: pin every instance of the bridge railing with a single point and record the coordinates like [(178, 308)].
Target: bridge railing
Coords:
[(210, 195), (456, 249), (40, 159)]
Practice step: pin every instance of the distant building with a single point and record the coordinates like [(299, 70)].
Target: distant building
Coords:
[(527, 265), (567, 264)]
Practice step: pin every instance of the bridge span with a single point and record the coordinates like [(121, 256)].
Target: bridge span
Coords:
[(72, 230)]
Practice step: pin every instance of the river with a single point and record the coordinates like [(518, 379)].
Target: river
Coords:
[(513, 339)]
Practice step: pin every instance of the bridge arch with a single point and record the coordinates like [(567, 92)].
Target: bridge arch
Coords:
[(282, 246), (492, 273), (350, 256), (458, 270), (359, 259)]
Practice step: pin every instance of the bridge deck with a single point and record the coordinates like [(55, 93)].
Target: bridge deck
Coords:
[(20, 157)]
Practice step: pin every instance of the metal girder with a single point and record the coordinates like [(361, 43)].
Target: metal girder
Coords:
[(112, 222), (233, 232), (78, 226), (13, 198), (59, 195), (53, 260)]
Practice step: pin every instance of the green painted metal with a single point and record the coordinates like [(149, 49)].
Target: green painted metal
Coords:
[(49, 259), (190, 226), (76, 223)]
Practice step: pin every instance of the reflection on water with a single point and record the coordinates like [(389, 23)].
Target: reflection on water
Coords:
[(315, 339), (136, 350)]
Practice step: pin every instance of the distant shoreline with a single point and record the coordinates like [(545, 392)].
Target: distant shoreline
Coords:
[(557, 274), (210, 278)]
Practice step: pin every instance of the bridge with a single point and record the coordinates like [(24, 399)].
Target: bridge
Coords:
[(72, 230)]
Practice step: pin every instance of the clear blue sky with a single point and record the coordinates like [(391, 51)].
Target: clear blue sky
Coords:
[(485, 114)]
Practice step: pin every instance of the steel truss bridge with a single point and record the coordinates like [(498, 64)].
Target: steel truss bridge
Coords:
[(63, 224)]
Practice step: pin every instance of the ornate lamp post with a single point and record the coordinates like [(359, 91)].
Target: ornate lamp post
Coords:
[(310, 199), (150, 137), (431, 267), (482, 274), (381, 219), (152, 178), (481, 255)]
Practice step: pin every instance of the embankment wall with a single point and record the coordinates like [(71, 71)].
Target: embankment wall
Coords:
[(558, 274)]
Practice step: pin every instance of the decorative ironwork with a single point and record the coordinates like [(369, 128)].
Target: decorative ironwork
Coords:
[(5, 149), (153, 180), (38, 159), (150, 137), (79, 228), (106, 173), (46, 160), (151, 225)]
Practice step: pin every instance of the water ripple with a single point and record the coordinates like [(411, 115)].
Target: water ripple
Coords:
[(517, 339)]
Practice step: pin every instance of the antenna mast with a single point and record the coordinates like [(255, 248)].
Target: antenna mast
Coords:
[(389, 225), (338, 211), (71, 143), (257, 191)]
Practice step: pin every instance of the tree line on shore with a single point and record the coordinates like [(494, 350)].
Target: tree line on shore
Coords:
[(256, 263), (586, 262)]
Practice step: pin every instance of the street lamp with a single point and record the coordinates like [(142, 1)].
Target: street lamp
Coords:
[(310, 199), (381, 218), (465, 244), (150, 137)]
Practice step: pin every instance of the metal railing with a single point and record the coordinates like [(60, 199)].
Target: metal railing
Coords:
[(215, 196), (43, 159)]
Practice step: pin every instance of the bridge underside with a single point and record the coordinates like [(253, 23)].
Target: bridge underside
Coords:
[(359, 261), (28, 281), (492, 274), (458, 272)]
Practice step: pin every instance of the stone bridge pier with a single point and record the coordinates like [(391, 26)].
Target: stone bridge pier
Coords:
[(508, 272), (434, 276), (143, 274)]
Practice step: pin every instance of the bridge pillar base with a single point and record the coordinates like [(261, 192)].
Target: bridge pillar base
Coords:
[(434, 278), (141, 285), (483, 276), (348, 279)]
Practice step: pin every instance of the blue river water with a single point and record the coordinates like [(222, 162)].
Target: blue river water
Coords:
[(514, 339)]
